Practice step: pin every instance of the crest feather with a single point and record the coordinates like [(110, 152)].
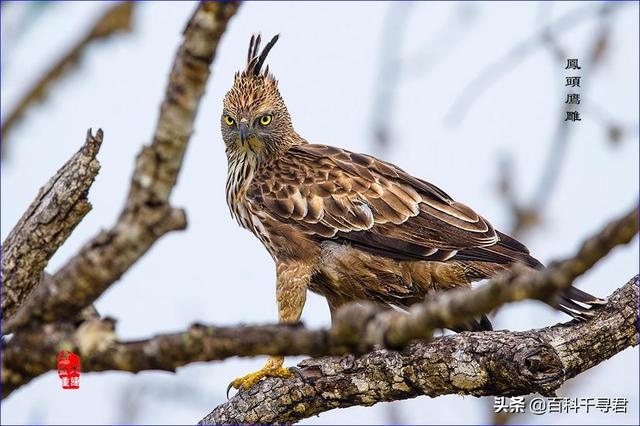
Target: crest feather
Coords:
[(255, 58)]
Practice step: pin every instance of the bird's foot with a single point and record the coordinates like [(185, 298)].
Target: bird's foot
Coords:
[(245, 382), (273, 368)]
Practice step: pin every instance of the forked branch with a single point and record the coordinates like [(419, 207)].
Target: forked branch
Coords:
[(356, 330), (496, 363), (147, 214)]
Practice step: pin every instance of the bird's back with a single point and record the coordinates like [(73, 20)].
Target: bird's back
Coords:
[(379, 233), (350, 226)]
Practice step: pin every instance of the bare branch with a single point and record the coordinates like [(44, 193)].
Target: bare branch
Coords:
[(32, 352), (527, 214), (116, 20), (558, 151), (356, 329), (52, 216), (498, 363), (508, 62), (147, 214), (369, 326)]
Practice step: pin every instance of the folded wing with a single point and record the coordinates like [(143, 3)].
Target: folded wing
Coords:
[(330, 193)]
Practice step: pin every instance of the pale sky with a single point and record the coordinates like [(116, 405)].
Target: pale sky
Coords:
[(327, 63)]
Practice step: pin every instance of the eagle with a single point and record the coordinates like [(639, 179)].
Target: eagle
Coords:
[(348, 226)]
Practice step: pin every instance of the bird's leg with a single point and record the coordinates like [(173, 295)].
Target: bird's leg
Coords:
[(291, 293), (273, 368)]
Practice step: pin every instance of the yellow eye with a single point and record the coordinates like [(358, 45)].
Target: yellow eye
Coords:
[(265, 120), (230, 121)]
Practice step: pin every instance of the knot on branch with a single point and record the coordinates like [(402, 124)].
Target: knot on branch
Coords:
[(95, 335), (525, 363), (541, 366)]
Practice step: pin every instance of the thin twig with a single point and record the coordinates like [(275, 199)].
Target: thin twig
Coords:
[(497, 363), (356, 328), (147, 214), (116, 20)]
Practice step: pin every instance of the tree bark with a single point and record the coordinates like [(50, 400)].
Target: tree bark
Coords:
[(497, 363), (52, 216), (147, 214), (357, 328)]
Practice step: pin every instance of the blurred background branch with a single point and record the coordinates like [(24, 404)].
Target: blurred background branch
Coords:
[(474, 90), (147, 214), (117, 19), (357, 328), (528, 214), (486, 363), (394, 68)]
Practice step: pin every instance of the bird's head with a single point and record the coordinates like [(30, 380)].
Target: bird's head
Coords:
[(255, 119)]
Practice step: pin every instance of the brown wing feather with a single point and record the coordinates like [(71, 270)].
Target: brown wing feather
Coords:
[(332, 193)]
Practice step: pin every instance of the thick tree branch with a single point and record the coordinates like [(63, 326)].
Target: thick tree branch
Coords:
[(363, 326), (33, 352), (147, 214), (52, 216), (115, 20), (356, 329), (498, 363)]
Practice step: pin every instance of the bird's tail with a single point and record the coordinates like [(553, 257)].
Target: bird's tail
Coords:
[(572, 301), (578, 303)]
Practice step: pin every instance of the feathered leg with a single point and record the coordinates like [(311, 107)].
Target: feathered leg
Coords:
[(291, 291)]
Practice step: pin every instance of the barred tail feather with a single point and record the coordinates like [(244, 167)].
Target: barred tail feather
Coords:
[(572, 301), (578, 304)]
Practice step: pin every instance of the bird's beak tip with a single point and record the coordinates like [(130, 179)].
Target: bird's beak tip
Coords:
[(244, 132)]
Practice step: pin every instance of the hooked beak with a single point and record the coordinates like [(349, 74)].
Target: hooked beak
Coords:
[(244, 132)]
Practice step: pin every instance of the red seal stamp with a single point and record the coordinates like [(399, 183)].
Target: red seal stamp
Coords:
[(69, 369)]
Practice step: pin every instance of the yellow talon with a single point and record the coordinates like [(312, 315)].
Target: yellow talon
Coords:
[(273, 368)]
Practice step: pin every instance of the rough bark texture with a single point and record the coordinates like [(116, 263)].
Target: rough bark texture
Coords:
[(356, 329), (147, 214), (52, 216), (498, 363), (31, 352), (58, 314), (115, 20), (393, 329)]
